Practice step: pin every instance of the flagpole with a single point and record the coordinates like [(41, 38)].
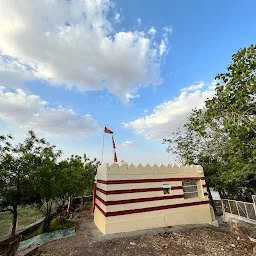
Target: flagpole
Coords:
[(102, 147), (112, 144), (113, 148)]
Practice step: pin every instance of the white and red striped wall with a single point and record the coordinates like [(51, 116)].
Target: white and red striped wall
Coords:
[(129, 198)]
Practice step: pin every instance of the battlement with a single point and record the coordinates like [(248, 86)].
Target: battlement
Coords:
[(124, 169)]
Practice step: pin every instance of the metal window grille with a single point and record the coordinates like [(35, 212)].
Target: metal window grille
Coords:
[(190, 188)]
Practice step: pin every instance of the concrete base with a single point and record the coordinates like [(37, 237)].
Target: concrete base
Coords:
[(156, 219), (215, 223)]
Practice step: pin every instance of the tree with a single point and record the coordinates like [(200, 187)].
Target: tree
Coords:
[(59, 182), (31, 173), (90, 170), (222, 136), (18, 164), (46, 183), (77, 177)]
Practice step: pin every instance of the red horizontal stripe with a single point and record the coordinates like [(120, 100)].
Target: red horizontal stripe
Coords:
[(147, 180), (135, 190), (150, 209), (204, 185), (139, 200), (100, 210)]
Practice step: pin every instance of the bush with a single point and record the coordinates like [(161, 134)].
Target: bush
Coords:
[(61, 223), (56, 224)]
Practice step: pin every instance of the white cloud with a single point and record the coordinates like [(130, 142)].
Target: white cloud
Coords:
[(193, 87), (152, 31), (73, 43), (117, 17), (129, 96), (170, 115), (167, 30), (128, 143), (162, 48), (165, 40), (31, 112), (13, 73), (139, 21)]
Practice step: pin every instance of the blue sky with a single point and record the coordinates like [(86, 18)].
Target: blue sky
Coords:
[(69, 68)]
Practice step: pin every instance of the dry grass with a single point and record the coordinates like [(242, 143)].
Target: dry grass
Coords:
[(26, 216)]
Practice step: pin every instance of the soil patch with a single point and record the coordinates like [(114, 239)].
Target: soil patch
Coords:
[(176, 241)]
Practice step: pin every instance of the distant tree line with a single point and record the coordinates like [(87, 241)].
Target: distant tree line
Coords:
[(32, 173), (222, 136)]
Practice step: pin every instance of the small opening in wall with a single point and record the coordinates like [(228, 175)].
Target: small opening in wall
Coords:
[(166, 188)]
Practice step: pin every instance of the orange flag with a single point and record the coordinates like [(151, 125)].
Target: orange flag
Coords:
[(106, 130)]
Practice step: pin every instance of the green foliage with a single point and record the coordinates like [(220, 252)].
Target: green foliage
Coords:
[(56, 224), (18, 164), (32, 173), (61, 223), (76, 176), (222, 136), (36, 232)]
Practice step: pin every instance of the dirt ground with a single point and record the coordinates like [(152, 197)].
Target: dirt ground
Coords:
[(187, 241)]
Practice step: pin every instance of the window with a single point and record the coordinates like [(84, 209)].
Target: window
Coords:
[(190, 188), (166, 188)]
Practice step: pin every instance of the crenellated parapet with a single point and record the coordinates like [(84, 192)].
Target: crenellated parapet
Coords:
[(124, 169)]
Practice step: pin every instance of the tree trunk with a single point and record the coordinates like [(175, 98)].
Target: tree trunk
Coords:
[(46, 223), (209, 193), (48, 218), (69, 202), (14, 220)]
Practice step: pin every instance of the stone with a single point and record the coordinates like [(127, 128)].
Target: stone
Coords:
[(238, 228)]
